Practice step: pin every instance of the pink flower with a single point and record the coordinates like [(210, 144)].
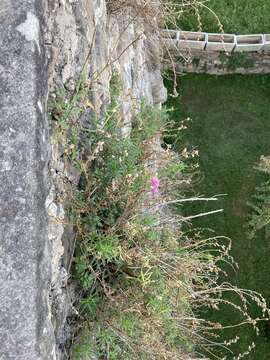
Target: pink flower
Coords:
[(155, 185)]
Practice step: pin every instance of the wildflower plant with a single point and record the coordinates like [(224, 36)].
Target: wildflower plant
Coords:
[(140, 276)]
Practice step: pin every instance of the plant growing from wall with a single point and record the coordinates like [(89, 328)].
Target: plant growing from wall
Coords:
[(140, 277)]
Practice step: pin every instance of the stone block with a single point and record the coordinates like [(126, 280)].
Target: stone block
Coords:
[(192, 40), (249, 43), (170, 38), (221, 42), (266, 45), (26, 331)]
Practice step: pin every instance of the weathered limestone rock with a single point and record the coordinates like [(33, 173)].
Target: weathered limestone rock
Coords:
[(25, 327), (131, 47), (74, 27)]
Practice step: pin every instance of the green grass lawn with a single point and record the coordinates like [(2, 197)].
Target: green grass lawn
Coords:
[(237, 16), (231, 129)]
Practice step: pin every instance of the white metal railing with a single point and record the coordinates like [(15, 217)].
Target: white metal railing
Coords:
[(189, 40)]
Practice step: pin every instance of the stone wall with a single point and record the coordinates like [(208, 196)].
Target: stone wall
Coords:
[(72, 29), (118, 44), (219, 54), (26, 331), (220, 63)]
